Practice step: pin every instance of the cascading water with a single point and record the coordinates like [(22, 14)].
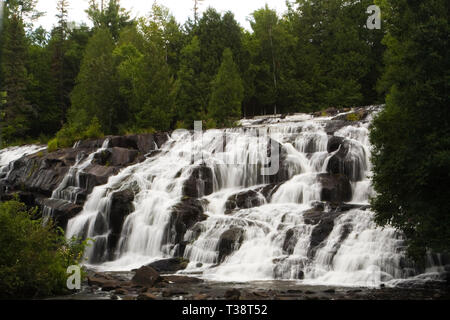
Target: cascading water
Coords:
[(9, 155), (278, 232), (70, 187)]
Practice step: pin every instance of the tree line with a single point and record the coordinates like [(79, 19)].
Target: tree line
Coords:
[(127, 75)]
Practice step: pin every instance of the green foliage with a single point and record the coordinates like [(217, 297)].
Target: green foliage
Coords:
[(353, 117), (411, 136), (52, 145), (96, 93), (93, 131), (33, 257), (228, 92)]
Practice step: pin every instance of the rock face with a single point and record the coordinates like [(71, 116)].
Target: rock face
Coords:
[(245, 200), (37, 176), (184, 216), (199, 183), (335, 188), (121, 207), (229, 241)]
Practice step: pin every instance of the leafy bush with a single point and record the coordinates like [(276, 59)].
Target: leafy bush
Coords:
[(69, 134), (94, 130), (52, 145), (33, 257), (353, 117), (211, 124)]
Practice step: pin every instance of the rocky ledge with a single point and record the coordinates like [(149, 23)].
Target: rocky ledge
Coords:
[(34, 177)]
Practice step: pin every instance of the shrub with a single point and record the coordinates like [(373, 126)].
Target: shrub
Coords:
[(94, 130), (52, 145), (353, 117), (33, 257)]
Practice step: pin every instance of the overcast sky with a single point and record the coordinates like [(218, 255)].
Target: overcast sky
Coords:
[(181, 9)]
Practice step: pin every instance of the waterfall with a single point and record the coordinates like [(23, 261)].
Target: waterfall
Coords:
[(255, 227), (70, 188), (9, 155)]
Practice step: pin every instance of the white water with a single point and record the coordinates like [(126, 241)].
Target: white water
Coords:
[(9, 155), (355, 253), (70, 187)]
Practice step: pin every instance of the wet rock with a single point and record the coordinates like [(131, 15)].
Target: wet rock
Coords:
[(244, 200), (289, 242), (184, 216), (199, 183), (229, 242), (200, 297), (334, 143), (232, 294), (146, 277), (335, 188), (121, 207), (169, 265), (181, 279), (146, 296), (121, 291), (61, 211)]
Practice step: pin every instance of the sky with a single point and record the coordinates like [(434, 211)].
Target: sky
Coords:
[(181, 9)]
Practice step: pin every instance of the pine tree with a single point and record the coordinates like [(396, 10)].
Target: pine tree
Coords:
[(96, 93), (191, 101), (58, 65), (111, 16), (227, 94), (17, 112)]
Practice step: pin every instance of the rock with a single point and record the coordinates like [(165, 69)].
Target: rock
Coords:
[(184, 216), (232, 294), (229, 241), (182, 279), (334, 143), (289, 242), (244, 200), (114, 297), (169, 265), (330, 291), (121, 291), (146, 277), (335, 188), (61, 211), (199, 183), (146, 296), (200, 297), (332, 111), (121, 207), (173, 292)]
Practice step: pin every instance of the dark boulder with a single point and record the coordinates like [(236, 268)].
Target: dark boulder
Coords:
[(121, 207), (169, 265), (335, 188), (229, 242), (244, 200), (334, 143), (146, 277), (184, 216), (199, 183), (61, 211), (290, 241)]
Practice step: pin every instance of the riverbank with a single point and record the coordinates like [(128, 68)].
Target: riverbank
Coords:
[(121, 286)]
